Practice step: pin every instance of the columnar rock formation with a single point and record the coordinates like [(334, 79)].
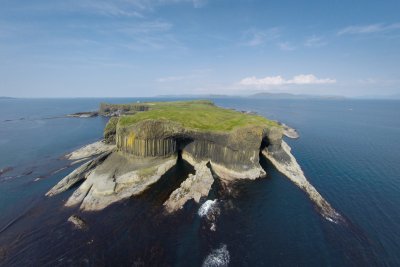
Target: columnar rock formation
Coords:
[(139, 150), (233, 155)]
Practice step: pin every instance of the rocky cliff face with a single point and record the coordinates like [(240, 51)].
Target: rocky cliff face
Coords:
[(137, 153), (234, 154), (120, 109)]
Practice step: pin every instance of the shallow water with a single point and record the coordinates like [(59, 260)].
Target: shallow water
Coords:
[(348, 149)]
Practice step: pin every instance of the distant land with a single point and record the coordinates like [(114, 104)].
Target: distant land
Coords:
[(371, 97), (260, 95), (263, 95), (268, 95)]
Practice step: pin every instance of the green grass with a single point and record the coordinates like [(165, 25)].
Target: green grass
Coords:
[(199, 115)]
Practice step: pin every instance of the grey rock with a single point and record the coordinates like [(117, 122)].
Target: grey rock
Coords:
[(292, 170), (194, 187), (77, 175), (78, 222), (90, 150)]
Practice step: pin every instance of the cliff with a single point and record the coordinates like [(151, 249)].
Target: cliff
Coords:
[(144, 140), (228, 139)]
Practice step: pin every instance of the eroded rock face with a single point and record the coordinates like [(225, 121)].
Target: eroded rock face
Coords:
[(194, 187), (111, 110), (136, 156), (77, 175), (150, 138), (78, 222), (90, 150), (117, 178), (234, 155)]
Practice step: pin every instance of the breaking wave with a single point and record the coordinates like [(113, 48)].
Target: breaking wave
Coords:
[(207, 207), (217, 258), (210, 211)]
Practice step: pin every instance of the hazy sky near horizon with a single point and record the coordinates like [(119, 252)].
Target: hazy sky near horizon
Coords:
[(100, 48)]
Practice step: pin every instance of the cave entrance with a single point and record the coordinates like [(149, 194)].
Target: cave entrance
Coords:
[(181, 143), (264, 143)]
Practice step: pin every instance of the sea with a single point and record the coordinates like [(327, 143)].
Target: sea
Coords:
[(349, 150)]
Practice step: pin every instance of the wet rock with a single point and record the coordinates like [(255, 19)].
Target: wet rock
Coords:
[(78, 222), (84, 114), (290, 132), (5, 170), (117, 178), (90, 150), (194, 187), (77, 175)]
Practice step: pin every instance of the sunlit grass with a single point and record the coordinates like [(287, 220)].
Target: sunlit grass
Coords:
[(200, 115)]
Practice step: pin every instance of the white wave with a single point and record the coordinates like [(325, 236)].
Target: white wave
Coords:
[(210, 211), (207, 207), (217, 258)]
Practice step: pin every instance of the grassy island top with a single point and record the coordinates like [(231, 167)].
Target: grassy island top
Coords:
[(199, 115)]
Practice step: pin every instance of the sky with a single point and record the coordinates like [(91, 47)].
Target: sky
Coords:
[(136, 48)]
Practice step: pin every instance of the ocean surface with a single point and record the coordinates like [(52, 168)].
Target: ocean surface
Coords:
[(348, 149)]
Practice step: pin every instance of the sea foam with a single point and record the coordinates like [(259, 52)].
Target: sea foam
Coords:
[(218, 257), (210, 211)]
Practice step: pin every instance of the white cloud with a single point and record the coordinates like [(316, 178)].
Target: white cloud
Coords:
[(110, 8), (147, 27), (199, 3), (255, 37), (302, 79), (192, 75), (286, 46), (369, 29), (315, 41), (171, 79)]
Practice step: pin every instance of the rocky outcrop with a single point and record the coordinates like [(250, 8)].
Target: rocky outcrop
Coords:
[(117, 178), (285, 162), (84, 114), (232, 155), (90, 150), (77, 175), (150, 138), (2, 253), (139, 149), (78, 222), (111, 110), (195, 187), (290, 132), (5, 170), (111, 130)]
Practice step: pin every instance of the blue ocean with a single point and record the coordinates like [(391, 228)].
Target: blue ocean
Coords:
[(349, 150)]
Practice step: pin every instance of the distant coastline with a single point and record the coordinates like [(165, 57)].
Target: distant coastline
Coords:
[(259, 95)]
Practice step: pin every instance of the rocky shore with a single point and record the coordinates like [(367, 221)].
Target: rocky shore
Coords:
[(139, 149), (290, 132), (84, 114), (286, 163)]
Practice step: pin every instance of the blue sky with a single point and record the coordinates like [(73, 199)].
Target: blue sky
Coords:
[(85, 48)]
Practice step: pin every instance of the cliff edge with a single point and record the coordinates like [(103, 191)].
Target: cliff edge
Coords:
[(144, 140)]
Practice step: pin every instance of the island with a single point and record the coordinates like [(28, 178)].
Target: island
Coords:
[(142, 141)]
